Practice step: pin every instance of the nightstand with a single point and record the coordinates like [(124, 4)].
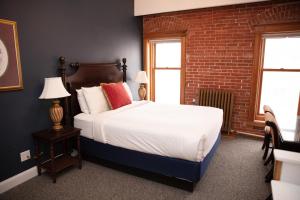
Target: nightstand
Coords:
[(51, 139)]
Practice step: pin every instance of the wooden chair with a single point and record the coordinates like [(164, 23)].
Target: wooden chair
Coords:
[(274, 130), (267, 137), (267, 141), (268, 109), (270, 121)]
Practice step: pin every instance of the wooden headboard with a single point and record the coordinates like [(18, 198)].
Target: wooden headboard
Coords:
[(87, 75)]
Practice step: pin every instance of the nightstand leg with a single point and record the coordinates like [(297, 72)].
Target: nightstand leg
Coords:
[(53, 175), (79, 153), (37, 155)]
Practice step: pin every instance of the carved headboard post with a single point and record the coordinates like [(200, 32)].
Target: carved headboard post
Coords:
[(62, 72), (62, 69), (124, 69)]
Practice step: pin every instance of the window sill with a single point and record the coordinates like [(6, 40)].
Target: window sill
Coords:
[(258, 123)]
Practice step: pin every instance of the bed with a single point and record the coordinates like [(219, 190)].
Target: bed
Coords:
[(175, 142)]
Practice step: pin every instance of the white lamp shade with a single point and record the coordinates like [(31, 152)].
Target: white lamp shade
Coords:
[(141, 77), (54, 89)]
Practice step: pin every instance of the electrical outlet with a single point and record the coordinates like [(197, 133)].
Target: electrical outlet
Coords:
[(25, 155)]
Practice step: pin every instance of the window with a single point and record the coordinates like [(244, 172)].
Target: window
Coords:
[(165, 66), (278, 74), (166, 71)]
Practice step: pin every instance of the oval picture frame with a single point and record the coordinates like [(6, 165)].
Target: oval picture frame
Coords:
[(10, 64)]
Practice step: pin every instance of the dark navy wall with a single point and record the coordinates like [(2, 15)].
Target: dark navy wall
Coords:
[(91, 31)]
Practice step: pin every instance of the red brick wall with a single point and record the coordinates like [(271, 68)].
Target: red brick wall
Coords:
[(219, 47)]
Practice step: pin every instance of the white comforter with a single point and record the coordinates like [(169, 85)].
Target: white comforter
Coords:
[(185, 131)]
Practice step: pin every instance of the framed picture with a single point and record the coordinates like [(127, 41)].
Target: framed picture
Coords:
[(10, 65)]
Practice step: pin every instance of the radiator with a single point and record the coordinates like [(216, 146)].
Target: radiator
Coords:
[(219, 99)]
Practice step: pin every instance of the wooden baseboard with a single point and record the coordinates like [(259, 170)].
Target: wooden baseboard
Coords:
[(230, 135), (234, 133), (250, 134), (18, 179)]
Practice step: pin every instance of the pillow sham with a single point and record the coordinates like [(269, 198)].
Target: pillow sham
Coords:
[(127, 88), (95, 99), (116, 95), (82, 102)]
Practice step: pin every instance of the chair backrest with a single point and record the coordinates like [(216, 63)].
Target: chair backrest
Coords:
[(268, 109), (270, 121), (267, 130)]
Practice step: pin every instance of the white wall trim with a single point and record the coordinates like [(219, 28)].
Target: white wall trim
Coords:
[(146, 7), (17, 179)]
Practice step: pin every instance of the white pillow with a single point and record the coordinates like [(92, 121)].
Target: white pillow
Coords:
[(95, 99), (82, 102), (128, 90)]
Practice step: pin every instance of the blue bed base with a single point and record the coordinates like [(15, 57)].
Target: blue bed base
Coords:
[(166, 166)]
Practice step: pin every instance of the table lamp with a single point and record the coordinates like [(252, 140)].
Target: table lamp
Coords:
[(142, 79), (54, 89)]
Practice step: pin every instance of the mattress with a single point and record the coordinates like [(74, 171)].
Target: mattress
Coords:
[(179, 131)]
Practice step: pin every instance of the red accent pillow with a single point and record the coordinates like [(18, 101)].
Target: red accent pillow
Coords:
[(116, 95)]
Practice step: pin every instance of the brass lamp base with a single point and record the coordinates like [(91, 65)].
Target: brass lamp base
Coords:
[(142, 92), (56, 114)]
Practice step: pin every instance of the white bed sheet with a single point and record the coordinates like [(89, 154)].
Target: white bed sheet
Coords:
[(85, 122), (186, 132)]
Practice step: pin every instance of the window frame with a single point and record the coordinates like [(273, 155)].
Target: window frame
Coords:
[(260, 32), (149, 60)]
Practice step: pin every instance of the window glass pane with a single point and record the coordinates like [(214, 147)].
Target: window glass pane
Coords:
[(281, 91), (167, 86), (282, 52), (168, 54)]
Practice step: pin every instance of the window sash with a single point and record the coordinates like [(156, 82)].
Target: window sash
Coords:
[(262, 79), (166, 86), (274, 45), (281, 70), (260, 116), (175, 42)]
